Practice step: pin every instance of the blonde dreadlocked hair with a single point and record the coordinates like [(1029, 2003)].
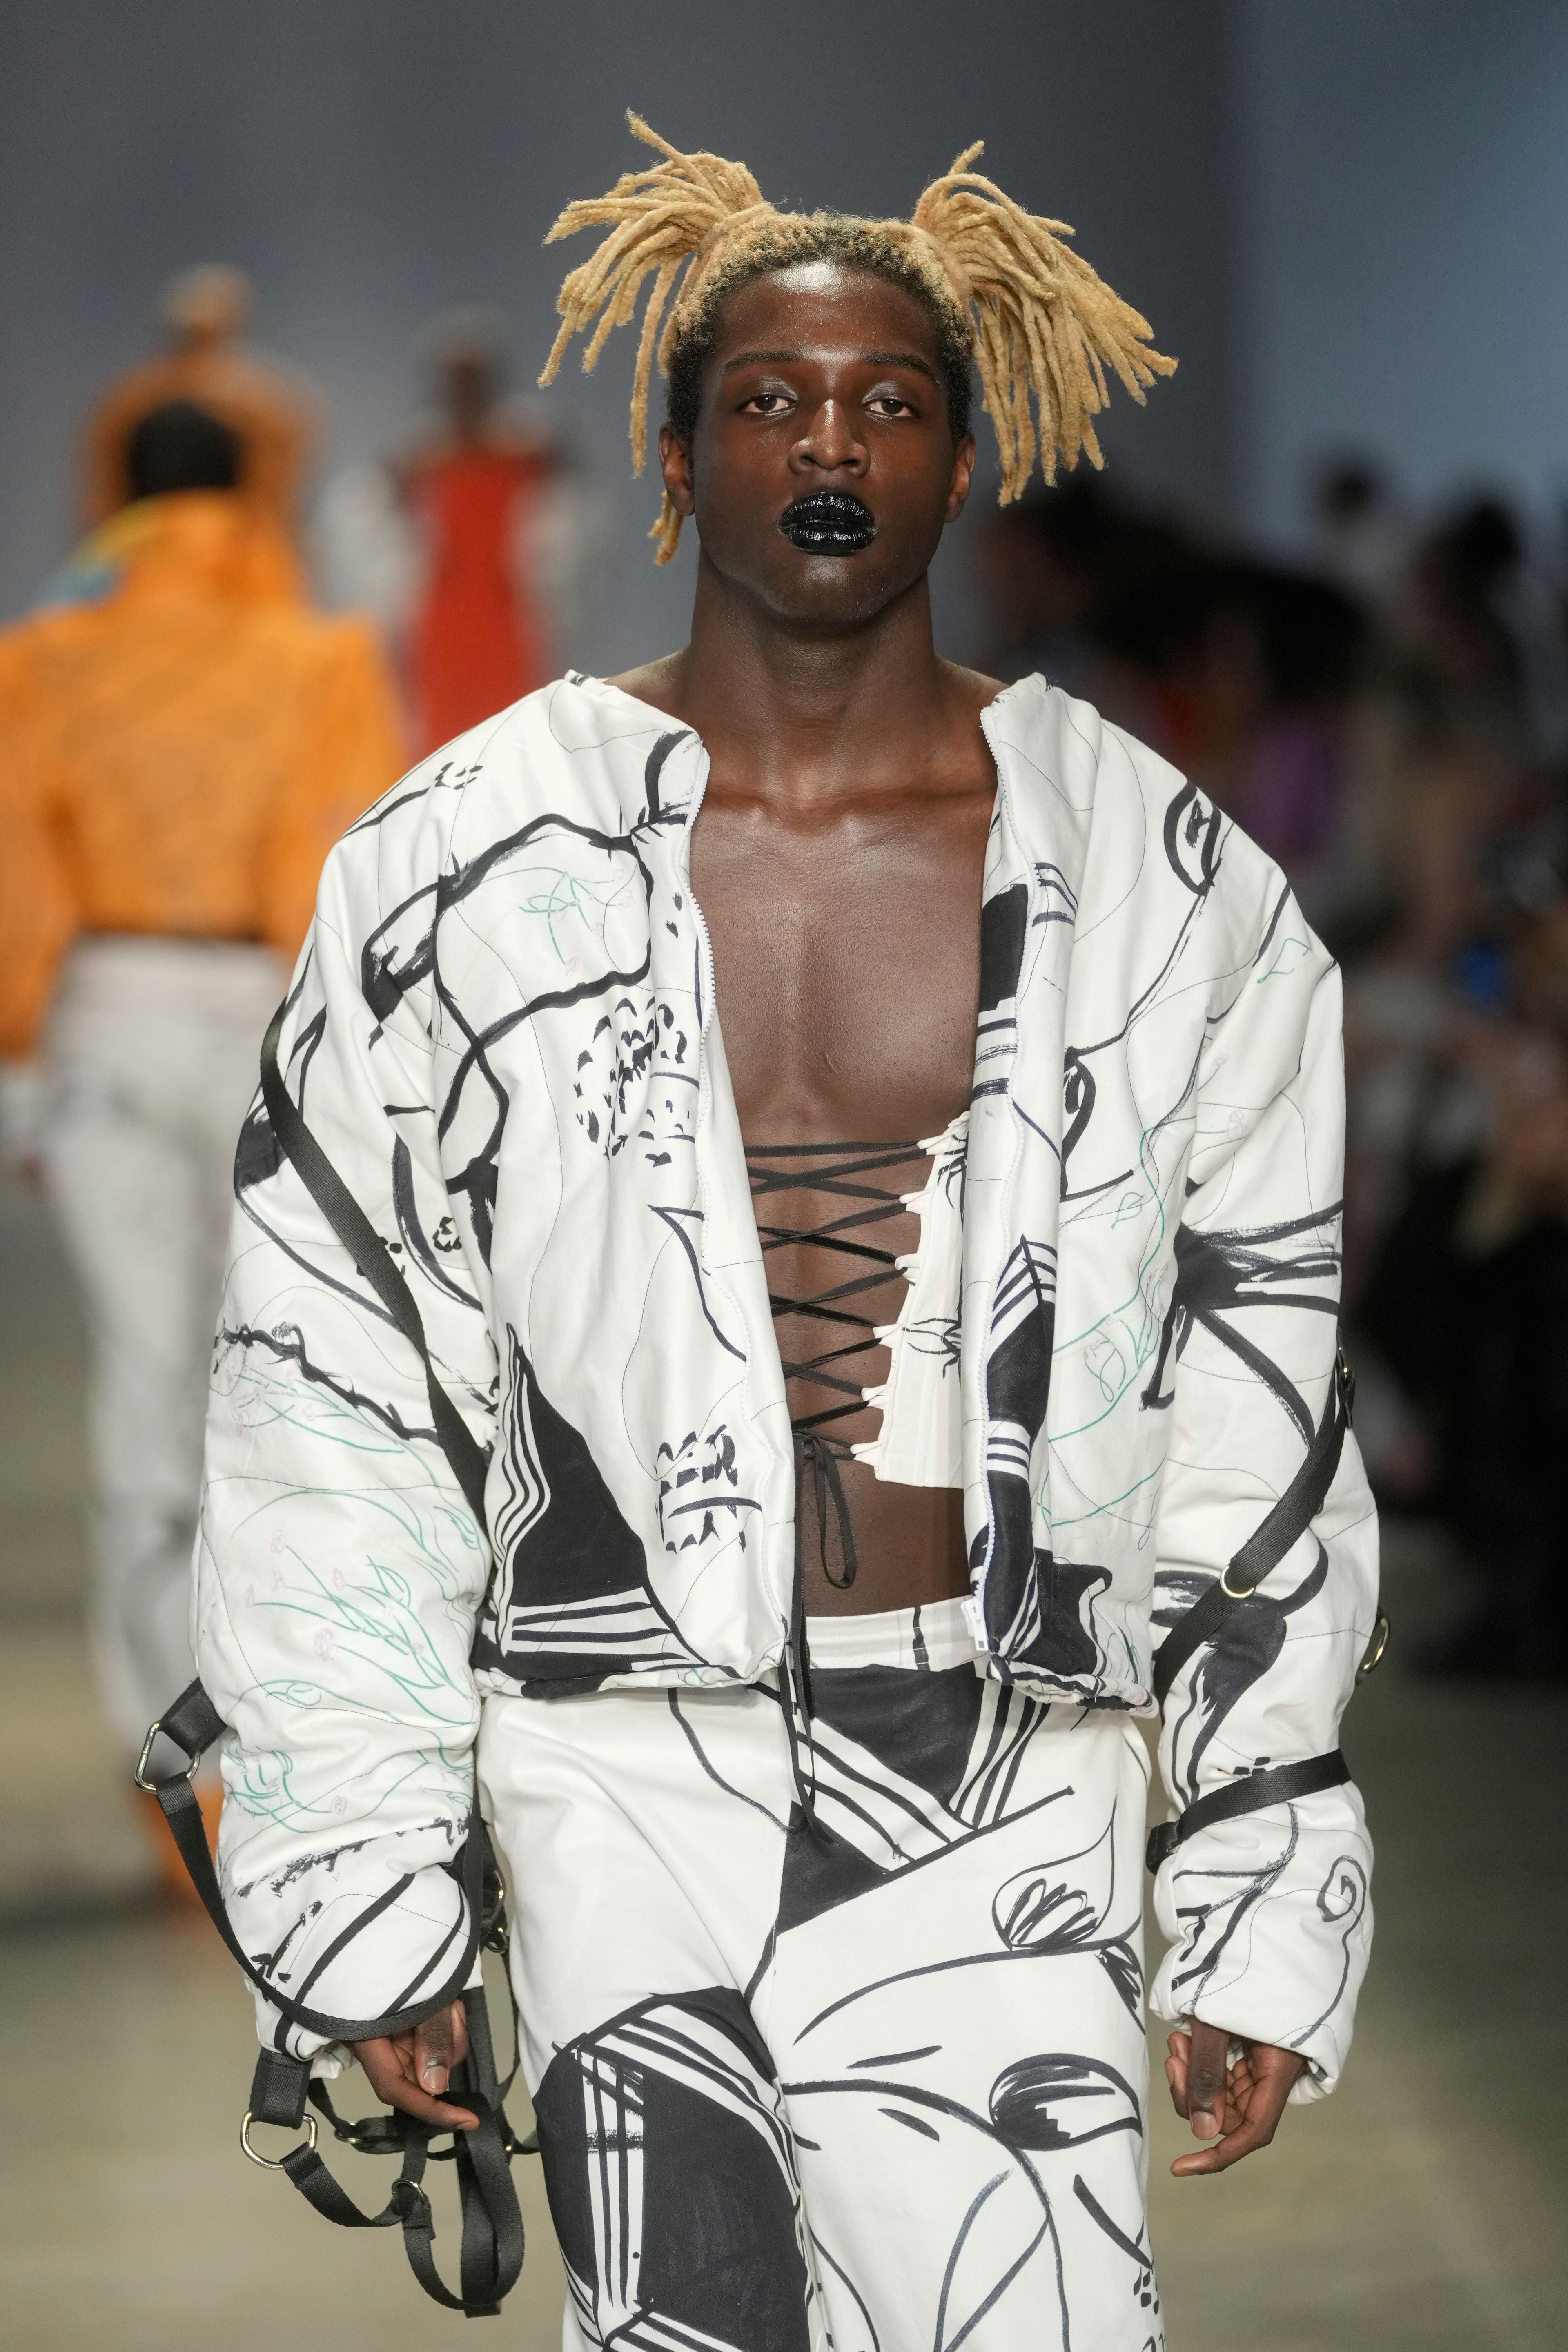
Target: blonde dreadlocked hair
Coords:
[(1000, 288)]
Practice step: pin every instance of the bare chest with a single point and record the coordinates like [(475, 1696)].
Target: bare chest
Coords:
[(846, 958)]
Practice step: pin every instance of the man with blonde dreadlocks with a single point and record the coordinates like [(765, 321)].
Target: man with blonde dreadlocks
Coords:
[(865, 1144)]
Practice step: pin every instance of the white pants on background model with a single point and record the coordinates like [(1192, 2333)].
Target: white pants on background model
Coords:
[(152, 1059), (878, 2090)]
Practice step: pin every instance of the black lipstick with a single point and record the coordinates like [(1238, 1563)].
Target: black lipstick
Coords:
[(828, 522)]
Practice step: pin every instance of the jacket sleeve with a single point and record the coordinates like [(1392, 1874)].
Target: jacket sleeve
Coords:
[(338, 1569), (1270, 1912)]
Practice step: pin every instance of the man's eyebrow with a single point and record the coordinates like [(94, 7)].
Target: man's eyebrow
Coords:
[(754, 359), (900, 359), (782, 358)]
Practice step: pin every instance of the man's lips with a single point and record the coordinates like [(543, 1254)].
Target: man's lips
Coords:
[(828, 522)]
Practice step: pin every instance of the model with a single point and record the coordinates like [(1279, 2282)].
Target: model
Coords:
[(801, 1072), (177, 753), (204, 313)]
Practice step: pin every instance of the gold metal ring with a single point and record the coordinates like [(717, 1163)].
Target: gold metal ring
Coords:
[(1373, 1658), (1229, 1589), (273, 2163)]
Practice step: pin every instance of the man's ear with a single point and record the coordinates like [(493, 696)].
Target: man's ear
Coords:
[(675, 464), (963, 476)]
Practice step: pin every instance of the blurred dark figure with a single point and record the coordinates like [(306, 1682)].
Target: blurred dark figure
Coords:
[(1450, 627), (1042, 564), (1468, 1304), (1241, 674), (1363, 534), (203, 312), (178, 751), (1050, 567)]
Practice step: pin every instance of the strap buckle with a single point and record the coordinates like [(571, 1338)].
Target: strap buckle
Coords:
[(273, 2163), (1163, 1839)]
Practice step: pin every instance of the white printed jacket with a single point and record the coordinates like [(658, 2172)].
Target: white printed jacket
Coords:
[(502, 1032)]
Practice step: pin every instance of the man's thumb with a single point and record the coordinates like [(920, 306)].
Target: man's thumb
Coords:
[(433, 2051), (1210, 2048)]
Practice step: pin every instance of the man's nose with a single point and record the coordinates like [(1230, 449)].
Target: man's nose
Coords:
[(829, 443)]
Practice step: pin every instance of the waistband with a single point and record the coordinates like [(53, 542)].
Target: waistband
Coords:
[(129, 970), (930, 1639)]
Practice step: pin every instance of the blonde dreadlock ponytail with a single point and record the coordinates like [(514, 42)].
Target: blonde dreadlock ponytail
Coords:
[(1041, 326), (1045, 323)]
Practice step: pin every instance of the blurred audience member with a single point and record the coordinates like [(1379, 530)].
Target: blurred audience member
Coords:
[(466, 545), (1363, 536), (204, 312), (1041, 564), (1413, 1104), (1394, 732), (1241, 674), (1469, 1304), (175, 758)]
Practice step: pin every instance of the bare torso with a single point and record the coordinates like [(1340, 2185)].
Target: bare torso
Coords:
[(846, 931)]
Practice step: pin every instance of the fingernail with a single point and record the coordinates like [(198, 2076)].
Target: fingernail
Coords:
[(1205, 2126), (435, 2077)]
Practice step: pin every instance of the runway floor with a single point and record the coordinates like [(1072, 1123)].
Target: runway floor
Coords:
[(1421, 2206)]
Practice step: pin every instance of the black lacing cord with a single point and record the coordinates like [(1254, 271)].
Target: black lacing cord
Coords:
[(840, 1170)]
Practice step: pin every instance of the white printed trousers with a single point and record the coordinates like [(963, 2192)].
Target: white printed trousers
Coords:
[(152, 1059), (878, 2088)]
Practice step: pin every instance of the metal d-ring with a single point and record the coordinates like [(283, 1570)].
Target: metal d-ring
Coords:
[(273, 2163), (153, 1787)]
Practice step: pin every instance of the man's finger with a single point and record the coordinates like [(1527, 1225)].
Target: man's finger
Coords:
[(1230, 2150), (1207, 2052), (1264, 2078), (434, 2056), (389, 2068)]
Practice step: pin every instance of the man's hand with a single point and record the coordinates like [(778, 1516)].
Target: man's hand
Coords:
[(1244, 2101), (409, 2070)]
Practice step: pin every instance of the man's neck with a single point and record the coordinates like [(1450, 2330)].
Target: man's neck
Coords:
[(804, 717)]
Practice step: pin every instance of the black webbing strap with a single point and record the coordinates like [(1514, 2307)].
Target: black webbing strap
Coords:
[(492, 2235), (371, 1256), (1248, 1793), (1288, 1519), (491, 2259)]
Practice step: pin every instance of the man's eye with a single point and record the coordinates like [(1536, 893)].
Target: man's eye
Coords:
[(767, 403), (886, 404)]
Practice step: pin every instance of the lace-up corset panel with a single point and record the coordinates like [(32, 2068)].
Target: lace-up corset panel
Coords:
[(840, 1240)]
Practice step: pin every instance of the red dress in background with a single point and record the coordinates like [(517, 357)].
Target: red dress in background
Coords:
[(478, 641)]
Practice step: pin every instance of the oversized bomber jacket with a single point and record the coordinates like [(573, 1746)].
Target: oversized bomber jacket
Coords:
[(502, 1032)]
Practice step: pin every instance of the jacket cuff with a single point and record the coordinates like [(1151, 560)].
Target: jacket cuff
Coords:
[(359, 1936), (1270, 1920)]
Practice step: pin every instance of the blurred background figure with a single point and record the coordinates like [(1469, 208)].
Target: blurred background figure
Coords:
[(1388, 724), (204, 313), (1327, 573), (472, 545), (176, 756), (1362, 534)]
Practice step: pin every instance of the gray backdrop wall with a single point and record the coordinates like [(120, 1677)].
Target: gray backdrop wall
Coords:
[(370, 161), (1402, 246)]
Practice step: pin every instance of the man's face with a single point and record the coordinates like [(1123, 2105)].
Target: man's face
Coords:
[(822, 472)]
